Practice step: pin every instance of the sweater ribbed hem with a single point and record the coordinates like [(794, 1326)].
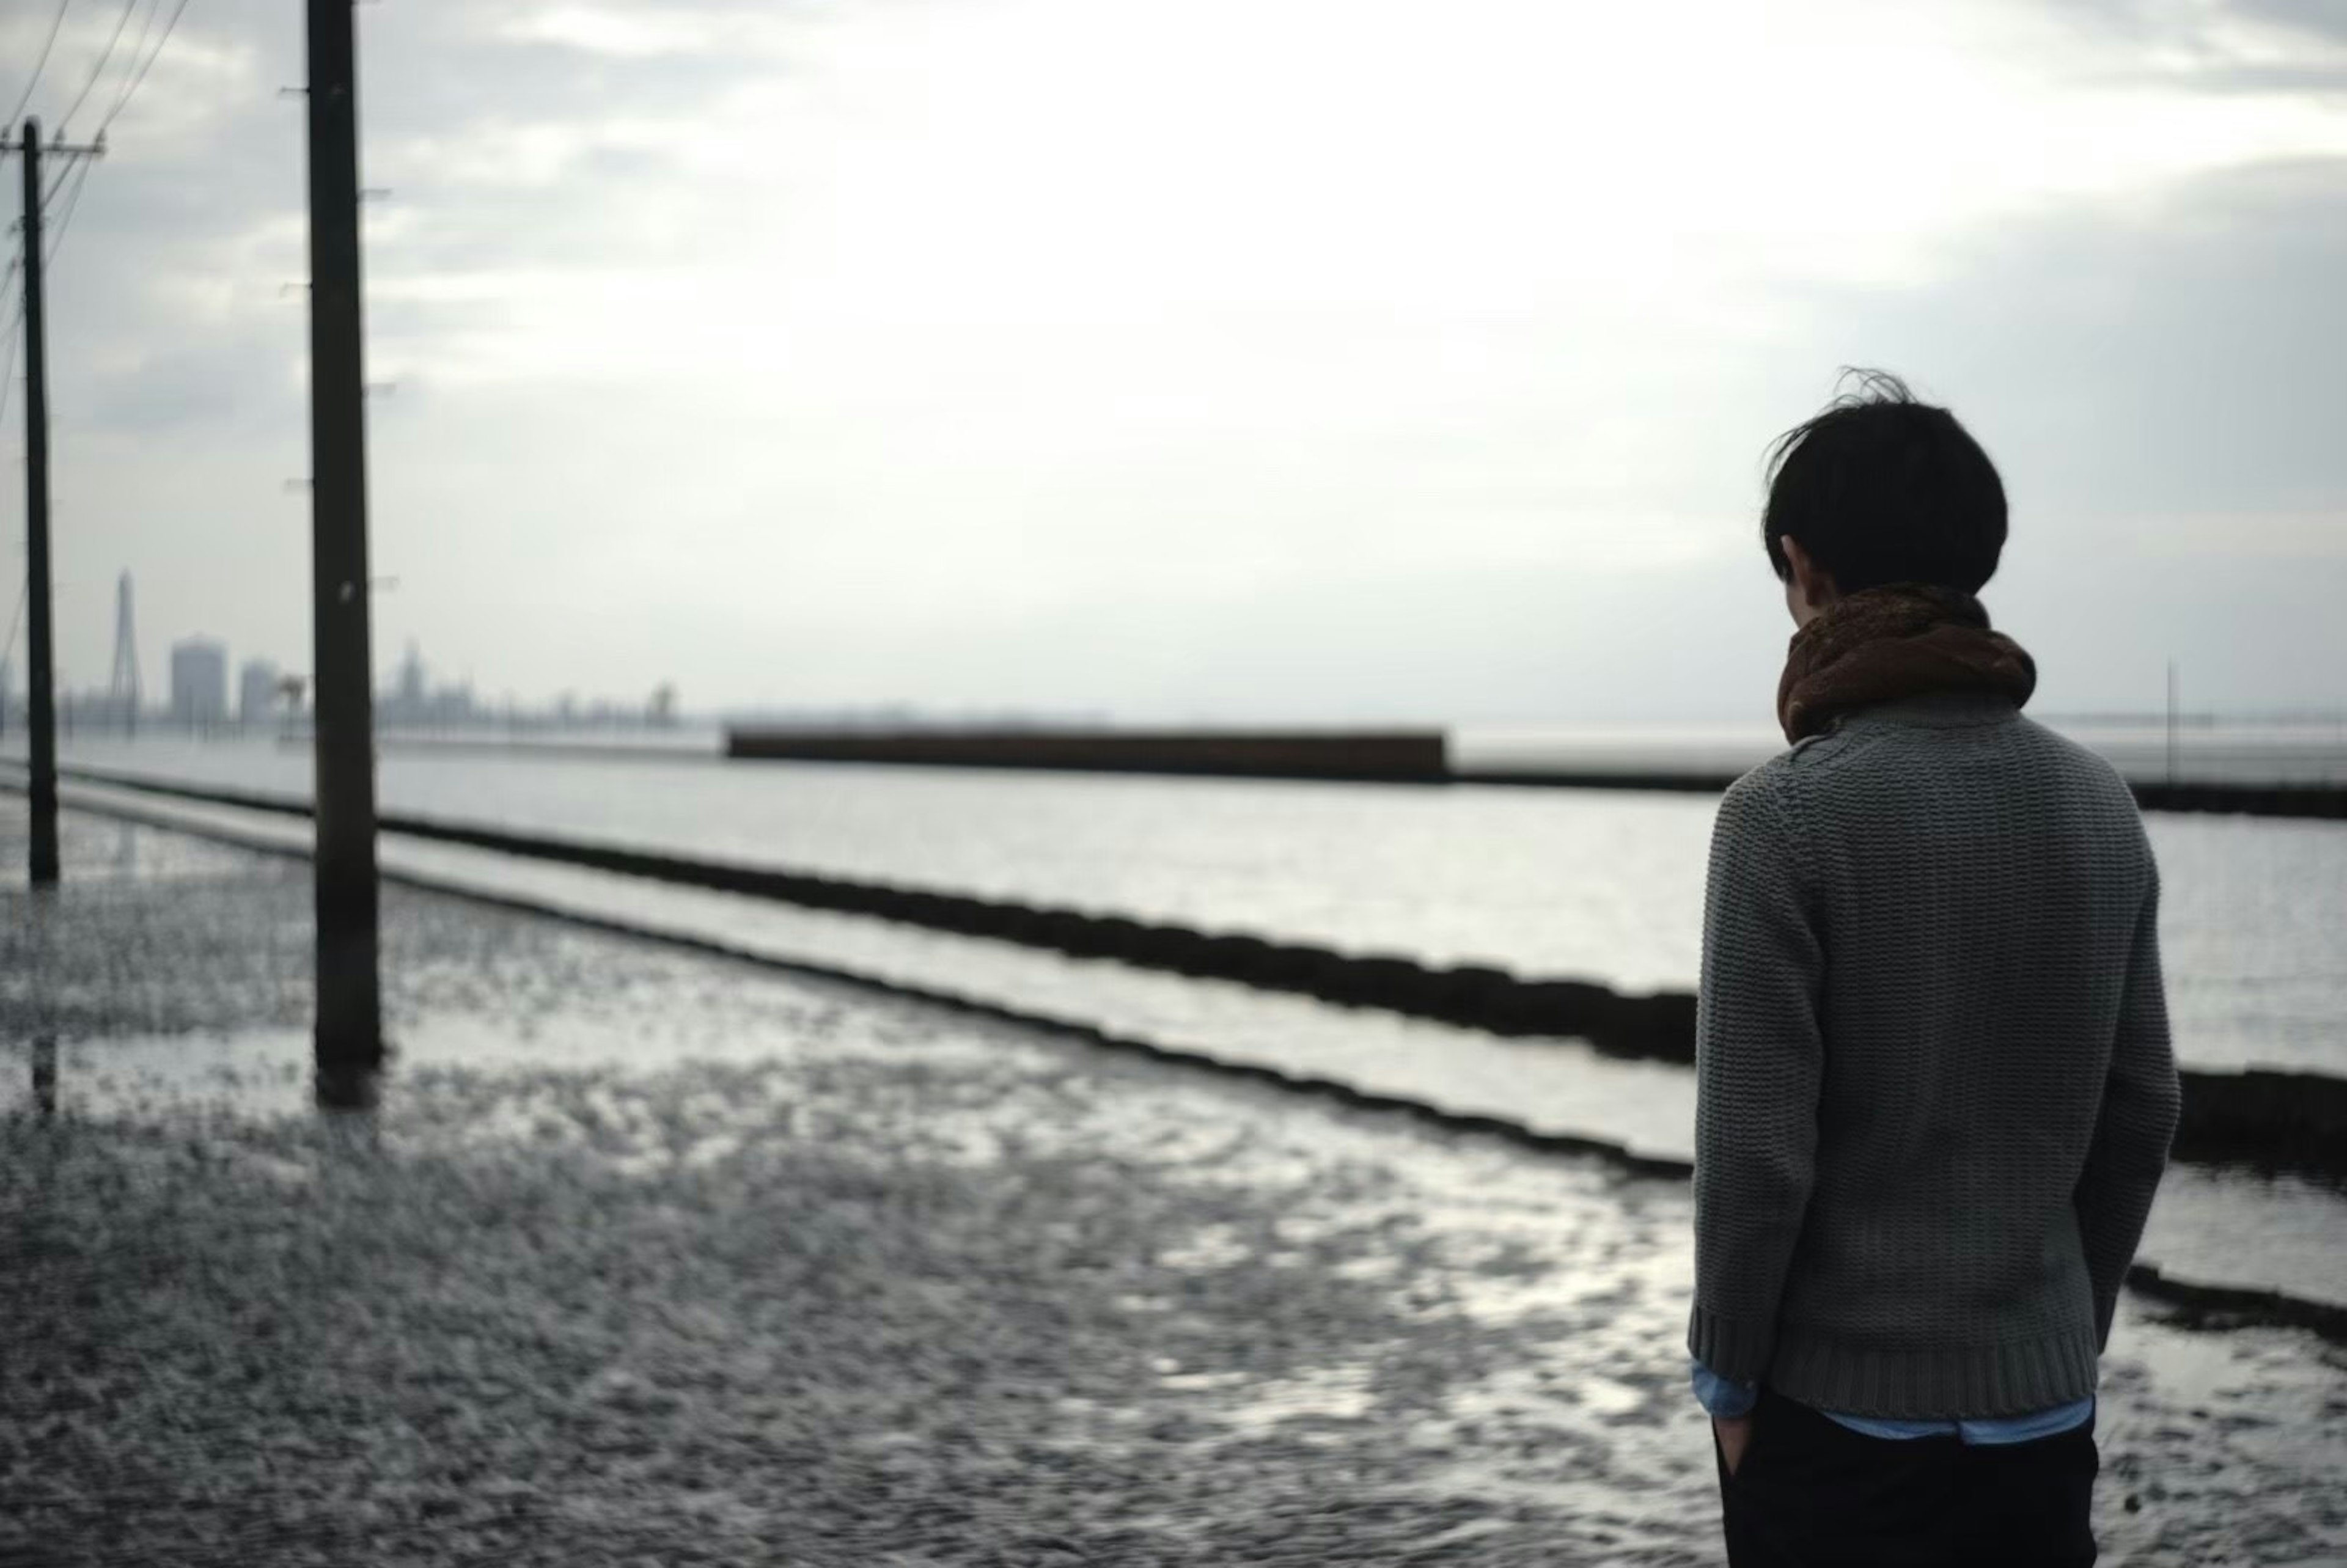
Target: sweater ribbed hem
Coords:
[(1735, 1349), (2009, 1380)]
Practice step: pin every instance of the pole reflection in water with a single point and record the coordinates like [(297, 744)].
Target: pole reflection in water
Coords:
[(344, 1088), (44, 1076)]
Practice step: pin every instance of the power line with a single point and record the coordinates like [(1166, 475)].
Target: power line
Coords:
[(16, 114), (98, 69), (15, 325), (144, 65), (79, 174), (24, 591), (8, 375), (138, 47), (72, 199), (25, 587)]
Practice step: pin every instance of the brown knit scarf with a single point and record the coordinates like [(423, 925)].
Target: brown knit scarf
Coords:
[(1897, 640)]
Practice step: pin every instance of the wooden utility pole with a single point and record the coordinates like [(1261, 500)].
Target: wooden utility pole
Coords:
[(350, 1011), (40, 684), (40, 691)]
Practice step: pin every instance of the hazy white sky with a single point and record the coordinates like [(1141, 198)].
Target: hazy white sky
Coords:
[(1292, 359)]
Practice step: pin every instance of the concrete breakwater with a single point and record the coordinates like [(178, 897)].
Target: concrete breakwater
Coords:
[(1409, 756), (2282, 1121)]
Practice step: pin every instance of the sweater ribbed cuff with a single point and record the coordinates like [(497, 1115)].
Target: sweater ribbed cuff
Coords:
[(1736, 1350)]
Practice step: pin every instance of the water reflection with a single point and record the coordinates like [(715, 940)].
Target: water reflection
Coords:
[(44, 1076), (341, 1089)]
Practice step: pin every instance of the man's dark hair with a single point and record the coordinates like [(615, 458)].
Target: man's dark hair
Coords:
[(1881, 488)]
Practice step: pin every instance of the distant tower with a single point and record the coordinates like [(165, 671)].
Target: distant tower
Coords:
[(411, 680), (122, 692)]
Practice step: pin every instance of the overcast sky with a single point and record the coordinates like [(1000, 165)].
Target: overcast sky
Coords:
[(1260, 360)]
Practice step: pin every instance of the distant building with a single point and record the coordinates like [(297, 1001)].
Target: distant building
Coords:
[(199, 682), (408, 699), (412, 703), (256, 693)]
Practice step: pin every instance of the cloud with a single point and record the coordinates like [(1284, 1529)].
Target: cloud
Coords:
[(2279, 48), (2169, 352), (1198, 358), (2156, 378), (2297, 536)]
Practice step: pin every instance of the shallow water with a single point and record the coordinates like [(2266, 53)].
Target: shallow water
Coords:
[(2209, 1225), (1597, 884)]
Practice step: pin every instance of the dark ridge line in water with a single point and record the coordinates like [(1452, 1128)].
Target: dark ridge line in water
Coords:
[(2260, 1117), (1658, 1027), (1628, 1160), (2203, 1306), (2324, 801)]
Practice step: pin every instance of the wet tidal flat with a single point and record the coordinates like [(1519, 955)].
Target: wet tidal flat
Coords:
[(650, 1257)]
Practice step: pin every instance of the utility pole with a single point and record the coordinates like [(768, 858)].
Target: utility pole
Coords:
[(349, 1044), (40, 687)]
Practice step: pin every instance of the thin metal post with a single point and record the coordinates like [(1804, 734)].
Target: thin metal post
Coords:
[(2171, 723)]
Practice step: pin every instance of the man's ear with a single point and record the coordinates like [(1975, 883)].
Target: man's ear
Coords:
[(1816, 584)]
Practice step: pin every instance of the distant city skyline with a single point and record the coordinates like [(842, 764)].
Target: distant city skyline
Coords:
[(1211, 362), (407, 694), (199, 666)]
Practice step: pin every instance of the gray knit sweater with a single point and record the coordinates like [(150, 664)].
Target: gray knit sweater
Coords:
[(1935, 1091)]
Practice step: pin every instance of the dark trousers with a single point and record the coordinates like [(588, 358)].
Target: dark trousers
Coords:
[(1810, 1491)]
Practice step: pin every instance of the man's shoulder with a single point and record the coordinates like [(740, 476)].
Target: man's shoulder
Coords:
[(1758, 805), (1858, 763), (1773, 778), (2087, 765)]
